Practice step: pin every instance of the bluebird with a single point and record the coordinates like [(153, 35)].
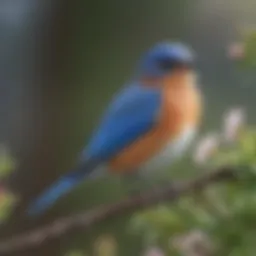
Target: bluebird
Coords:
[(148, 123)]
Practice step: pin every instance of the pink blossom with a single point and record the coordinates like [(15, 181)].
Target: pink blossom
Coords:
[(233, 122), (194, 243), (206, 148), (154, 252), (236, 51)]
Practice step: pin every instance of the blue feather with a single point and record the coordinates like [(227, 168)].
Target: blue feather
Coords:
[(61, 187), (133, 113), (48, 198)]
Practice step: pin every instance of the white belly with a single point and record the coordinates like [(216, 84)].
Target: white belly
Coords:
[(172, 150)]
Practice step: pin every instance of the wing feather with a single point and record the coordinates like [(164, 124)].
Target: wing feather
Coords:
[(133, 113)]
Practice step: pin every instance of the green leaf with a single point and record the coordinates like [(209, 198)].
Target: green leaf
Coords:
[(7, 201), (105, 246), (75, 253), (7, 163), (249, 60)]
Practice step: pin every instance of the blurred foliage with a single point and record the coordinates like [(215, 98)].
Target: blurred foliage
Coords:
[(104, 245), (249, 44), (76, 253), (7, 199), (223, 213), (7, 163), (217, 221)]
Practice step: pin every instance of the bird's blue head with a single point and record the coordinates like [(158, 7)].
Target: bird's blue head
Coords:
[(165, 57)]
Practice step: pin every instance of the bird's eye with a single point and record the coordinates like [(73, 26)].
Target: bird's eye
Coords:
[(167, 64)]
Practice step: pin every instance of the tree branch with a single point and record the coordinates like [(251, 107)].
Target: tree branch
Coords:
[(87, 219)]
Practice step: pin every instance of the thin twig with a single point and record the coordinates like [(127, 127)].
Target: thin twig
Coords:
[(87, 219)]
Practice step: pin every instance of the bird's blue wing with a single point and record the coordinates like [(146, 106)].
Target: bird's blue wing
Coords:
[(133, 113)]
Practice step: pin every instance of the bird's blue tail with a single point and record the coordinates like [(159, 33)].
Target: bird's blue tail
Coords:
[(59, 189)]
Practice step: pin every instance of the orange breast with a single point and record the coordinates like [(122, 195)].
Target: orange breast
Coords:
[(181, 107)]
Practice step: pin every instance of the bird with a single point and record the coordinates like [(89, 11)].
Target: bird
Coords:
[(149, 122)]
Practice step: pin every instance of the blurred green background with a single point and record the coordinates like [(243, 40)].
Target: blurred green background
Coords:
[(61, 62)]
